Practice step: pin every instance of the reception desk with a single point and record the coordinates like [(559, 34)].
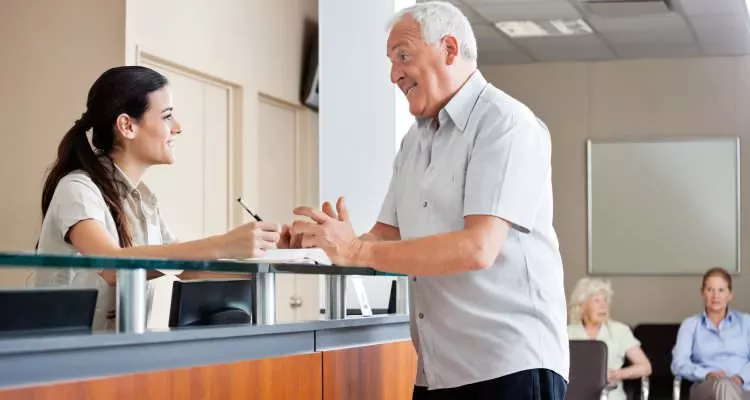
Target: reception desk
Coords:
[(362, 358), (347, 358)]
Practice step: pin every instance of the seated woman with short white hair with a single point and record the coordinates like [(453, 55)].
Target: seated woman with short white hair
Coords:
[(590, 320)]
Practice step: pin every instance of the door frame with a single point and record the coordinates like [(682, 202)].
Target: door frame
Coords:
[(234, 121)]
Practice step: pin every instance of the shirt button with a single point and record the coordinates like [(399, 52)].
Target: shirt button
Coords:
[(424, 204), (414, 279), (421, 316)]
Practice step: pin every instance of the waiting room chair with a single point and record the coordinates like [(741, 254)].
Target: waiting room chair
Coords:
[(588, 371), (636, 389), (681, 389), (657, 341)]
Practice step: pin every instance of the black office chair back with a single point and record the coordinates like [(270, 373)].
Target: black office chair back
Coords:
[(588, 370), (46, 311)]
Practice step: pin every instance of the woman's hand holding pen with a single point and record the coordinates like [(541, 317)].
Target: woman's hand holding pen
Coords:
[(249, 240), (264, 235)]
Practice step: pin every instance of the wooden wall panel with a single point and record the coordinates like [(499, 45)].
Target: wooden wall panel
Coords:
[(294, 377), (381, 372)]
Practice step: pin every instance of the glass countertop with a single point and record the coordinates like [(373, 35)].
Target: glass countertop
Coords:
[(33, 260)]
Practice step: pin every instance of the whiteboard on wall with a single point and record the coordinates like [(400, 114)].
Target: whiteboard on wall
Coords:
[(663, 207)]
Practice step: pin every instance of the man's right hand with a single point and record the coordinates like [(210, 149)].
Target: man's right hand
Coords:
[(331, 212), (295, 242), (249, 240)]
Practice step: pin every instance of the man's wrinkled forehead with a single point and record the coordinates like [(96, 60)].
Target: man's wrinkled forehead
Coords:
[(403, 35), (395, 39)]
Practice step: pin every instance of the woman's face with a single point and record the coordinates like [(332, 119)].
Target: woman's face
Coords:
[(716, 294), (596, 309), (152, 138)]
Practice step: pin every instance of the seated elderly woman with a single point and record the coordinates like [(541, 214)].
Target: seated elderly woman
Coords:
[(713, 347), (589, 320)]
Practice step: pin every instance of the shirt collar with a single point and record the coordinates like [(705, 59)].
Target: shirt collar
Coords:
[(129, 189), (461, 105), (122, 178), (604, 330), (728, 318)]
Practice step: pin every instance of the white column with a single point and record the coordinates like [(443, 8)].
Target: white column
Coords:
[(362, 114)]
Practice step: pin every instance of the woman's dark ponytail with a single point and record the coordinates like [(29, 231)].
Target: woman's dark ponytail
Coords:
[(67, 159), (120, 90)]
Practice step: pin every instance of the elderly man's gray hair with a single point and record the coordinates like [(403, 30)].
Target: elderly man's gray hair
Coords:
[(438, 19)]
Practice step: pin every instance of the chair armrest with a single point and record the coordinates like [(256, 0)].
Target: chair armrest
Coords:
[(645, 388), (605, 392), (676, 385)]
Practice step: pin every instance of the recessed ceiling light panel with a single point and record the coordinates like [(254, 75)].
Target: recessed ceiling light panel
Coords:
[(571, 27), (517, 29), (541, 28)]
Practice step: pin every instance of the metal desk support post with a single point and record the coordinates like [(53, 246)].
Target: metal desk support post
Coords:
[(266, 298), (336, 290), (131, 300), (402, 295)]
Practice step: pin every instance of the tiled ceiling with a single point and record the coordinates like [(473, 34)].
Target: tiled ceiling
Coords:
[(622, 29)]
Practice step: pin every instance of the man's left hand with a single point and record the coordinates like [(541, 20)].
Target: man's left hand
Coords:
[(738, 380), (330, 231)]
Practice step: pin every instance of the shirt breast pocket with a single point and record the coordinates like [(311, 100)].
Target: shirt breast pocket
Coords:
[(445, 191)]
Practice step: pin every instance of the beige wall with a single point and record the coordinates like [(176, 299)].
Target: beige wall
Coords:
[(645, 98), (254, 44), (52, 52)]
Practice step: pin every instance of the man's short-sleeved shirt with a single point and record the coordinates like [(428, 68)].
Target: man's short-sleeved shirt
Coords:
[(485, 154), (77, 199)]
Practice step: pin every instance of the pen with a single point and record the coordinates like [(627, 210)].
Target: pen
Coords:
[(242, 203)]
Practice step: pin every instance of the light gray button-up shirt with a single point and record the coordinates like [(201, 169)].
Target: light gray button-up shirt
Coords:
[(487, 154), (76, 199)]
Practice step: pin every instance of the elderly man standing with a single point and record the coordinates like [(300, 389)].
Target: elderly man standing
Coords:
[(468, 216)]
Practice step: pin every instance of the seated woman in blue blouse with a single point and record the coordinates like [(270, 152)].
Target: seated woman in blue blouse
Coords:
[(713, 347)]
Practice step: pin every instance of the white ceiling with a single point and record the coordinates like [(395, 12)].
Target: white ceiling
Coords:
[(693, 28)]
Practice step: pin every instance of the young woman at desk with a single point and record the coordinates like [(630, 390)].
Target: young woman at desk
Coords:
[(94, 202)]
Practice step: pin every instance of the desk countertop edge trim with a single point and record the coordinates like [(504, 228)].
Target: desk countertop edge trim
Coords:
[(84, 357)]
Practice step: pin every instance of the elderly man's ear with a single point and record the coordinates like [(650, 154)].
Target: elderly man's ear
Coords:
[(452, 50)]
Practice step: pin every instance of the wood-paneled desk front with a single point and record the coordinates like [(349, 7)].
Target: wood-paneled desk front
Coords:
[(362, 358)]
